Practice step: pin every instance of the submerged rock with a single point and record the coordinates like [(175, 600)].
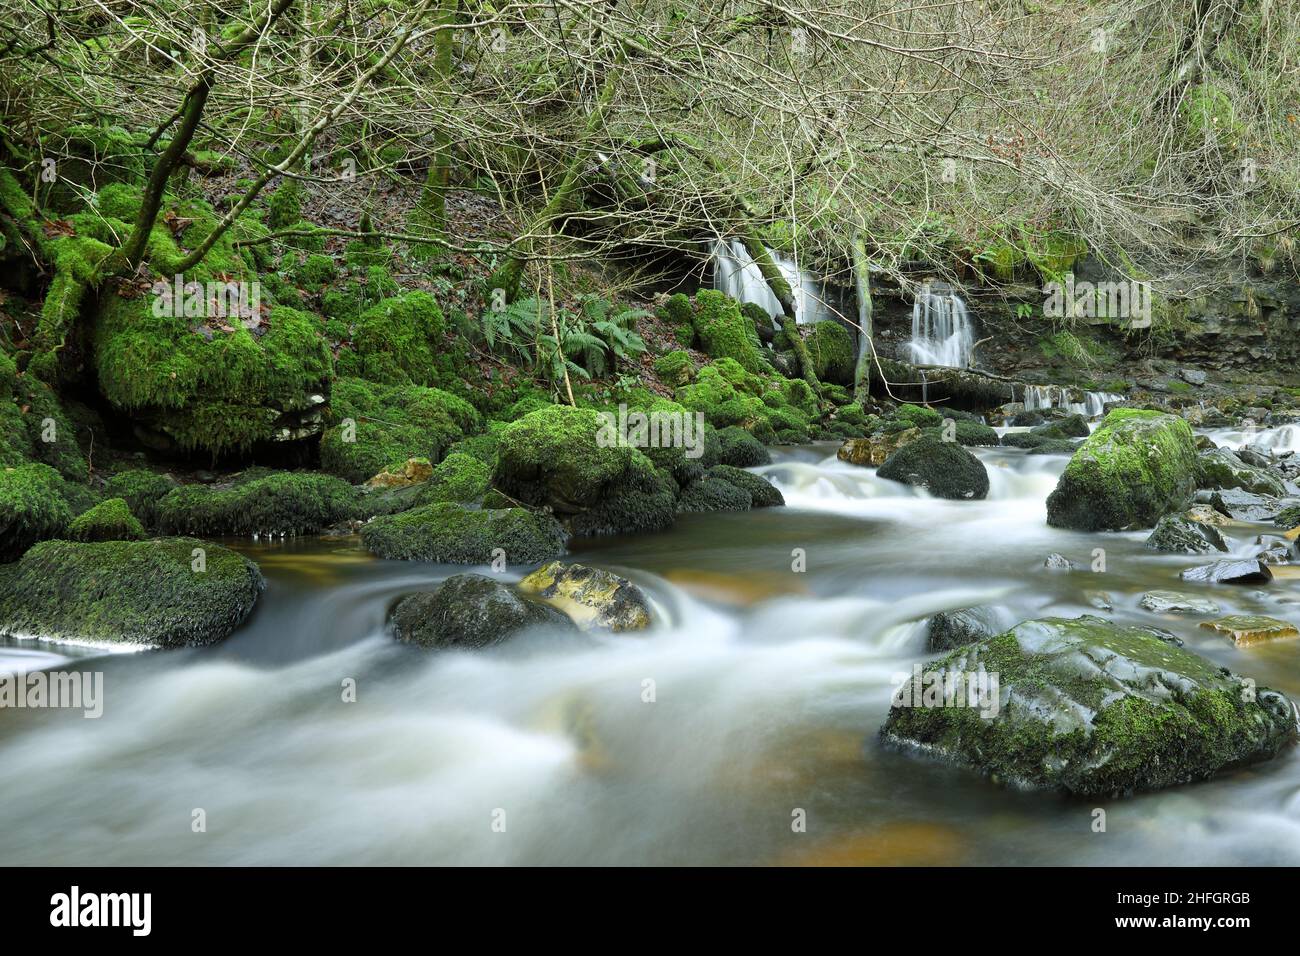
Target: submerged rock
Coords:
[(1090, 708), (593, 598), (470, 611), (448, 533), (1246, 629), (944, 469), (1179, 534), (1058, 562), (1176, 602), (1230, 571), (1137, 466), (165, 592)]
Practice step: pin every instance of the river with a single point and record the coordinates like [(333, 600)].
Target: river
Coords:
[(753, 705)]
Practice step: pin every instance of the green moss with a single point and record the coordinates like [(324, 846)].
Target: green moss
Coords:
[(284, 208), (165, 592), (288, 503), (397, 342), (741, 449), (32, 508), (142, 491), (965, 433), (110, 520), (944, 469), (51, 434), (374, 426), (915, 416), (720, 401), (315, 272), (724, 332), (712, 493), (458, 477), (762, 493), (675, 368), (1137, 466), (448, 533), (678, 313), (831, 346)]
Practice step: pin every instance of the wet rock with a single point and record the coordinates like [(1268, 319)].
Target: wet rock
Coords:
[(1222, 468), (1230, 571), (714, 494), (470, 611), (1101, 600), (1176, 602), (950, 629), (873, 451), (1244, 506), (1179, 534), (1089, 708), (944, 469), (1288, 517), (1247, 629), (1073, 426), (1274, 550), (412, 472), (446, 532), (592, 598), (1255, 458), (165, 592), (1058, 562), (1206, 514), (762, 493), (1137, 466)]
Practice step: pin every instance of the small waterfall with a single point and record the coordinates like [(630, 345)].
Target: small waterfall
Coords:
[(737, 274), (1087, 404), (942, 333)]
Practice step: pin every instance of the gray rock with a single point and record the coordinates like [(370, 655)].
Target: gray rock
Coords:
[(1245, 506), (1178, 534), (1274, 549), (950, 629), (1222, 468), (1058, 562), (1176, 602), (1230, 571), (1192, 376)]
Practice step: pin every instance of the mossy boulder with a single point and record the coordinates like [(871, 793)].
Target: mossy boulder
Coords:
[(458, 477), (592, 598), (1071, 426), (399, 342), (1092, 709), (166, 592), (714, 494), (52, 437), (944, 469), (289, 503), (964, 433), (33, 507), (445, 532), (741, 449), (375, 426), (1137, 466), (1221, 468), (675, 368), (471, 611), (142, 490), (913, 416), (762, 493), (110, 520), (830, 345), (566, 459), (724, 331)]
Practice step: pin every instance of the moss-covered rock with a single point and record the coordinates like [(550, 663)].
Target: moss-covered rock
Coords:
[(458, 477), (675, 368), (944, 469), (679, 315), (971, 434), (741, 449), (724, 332), (375, 426), (1071, 426), (446, 532), (165, 592), (714, 494), (470, 611), (110, 520), (1179, 534), (142, 490), (53, 439), (556, 457), (913, 416), (1090, 708), (1137, 466), (1221, 468), (399, 342), (32, 508), (762, 493), (594, 599), (831, 346), (289, 503)]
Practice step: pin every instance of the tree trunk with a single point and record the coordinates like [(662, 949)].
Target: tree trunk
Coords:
[(866, 348)]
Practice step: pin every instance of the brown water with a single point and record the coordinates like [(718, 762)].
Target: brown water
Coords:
[(769, 687)]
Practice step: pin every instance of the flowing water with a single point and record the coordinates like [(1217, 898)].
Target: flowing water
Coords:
[(736, 274), (1090, 404), (942, 333), (769, 688)]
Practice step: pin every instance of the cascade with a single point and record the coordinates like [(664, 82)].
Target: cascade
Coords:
[(942, 333)]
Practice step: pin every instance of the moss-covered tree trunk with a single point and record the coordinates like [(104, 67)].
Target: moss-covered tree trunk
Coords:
[(785, 295), (866, 352), (430, 215)]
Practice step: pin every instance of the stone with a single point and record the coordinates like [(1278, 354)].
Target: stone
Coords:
[(1244, 506), (1179, 534), (1248, 629), (944, 469), (412, 472), (873, 451), (594, 599), (950, 629), (1058, 562), (1222, 468), (470, 611), (1176, 602), (1230, 571)]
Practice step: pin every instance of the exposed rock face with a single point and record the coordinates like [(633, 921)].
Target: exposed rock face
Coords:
[(1090, 708), (1181, 535), (470, 611), (165, 592), (593, 598), (412, 472), (1246, 629), (945, 469), (1137, 466)]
